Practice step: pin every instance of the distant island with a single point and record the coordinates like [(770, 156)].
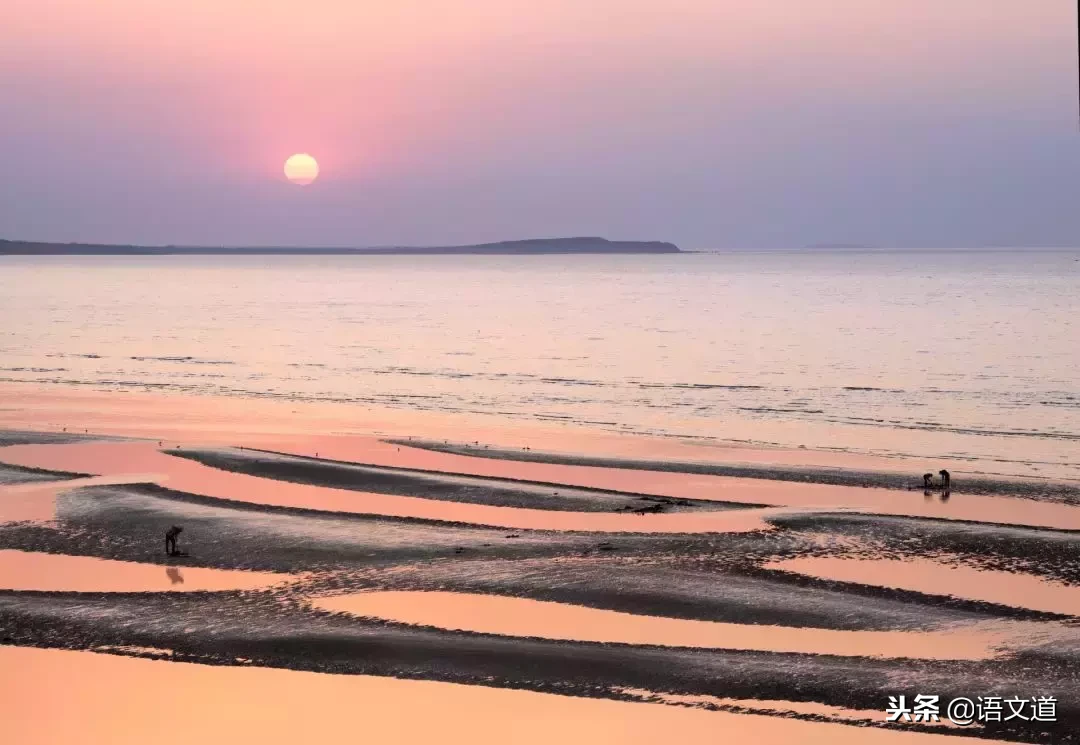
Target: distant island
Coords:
[(586, 245)]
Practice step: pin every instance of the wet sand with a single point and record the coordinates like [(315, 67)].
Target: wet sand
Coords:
[(782, 708), (491, 614), (36, 500), (451, 487), (10, 475), (939, 578), (1048, 490), (113, 458), (111, 700), (67, 412), (266, 422), (448, 568), (674, 483), (184, 475)]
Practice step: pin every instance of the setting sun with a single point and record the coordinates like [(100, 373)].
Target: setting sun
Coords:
[(301, 169)]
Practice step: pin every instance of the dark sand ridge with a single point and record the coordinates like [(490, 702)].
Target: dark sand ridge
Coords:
[(10, 474), (1053, 550), (710, 591), (1051, 491), (190, 476), (126, 522), (802, 496), (1053, 554), (927, 575), (261, 534), (219, 628), (13, 474), (753, 706), (31, 437), (521, 617), (710, 577), (232, 708), (718, 560), (452, 487), (1049, 553), (36, 500)]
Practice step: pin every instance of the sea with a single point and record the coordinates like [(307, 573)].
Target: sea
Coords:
[(963, 354)]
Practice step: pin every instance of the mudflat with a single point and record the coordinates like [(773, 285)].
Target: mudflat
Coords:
[(647, 595)]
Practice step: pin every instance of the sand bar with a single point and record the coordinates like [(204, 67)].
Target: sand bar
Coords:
[(938, 578), (119, 458), (37, 501), (799, 496), (493, 614), (235, 704)]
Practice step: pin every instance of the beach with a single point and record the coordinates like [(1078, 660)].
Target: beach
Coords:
[(588, 586), (522, 498)]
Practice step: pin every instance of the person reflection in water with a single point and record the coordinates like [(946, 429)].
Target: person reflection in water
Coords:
[(170, 540), (174, 576)]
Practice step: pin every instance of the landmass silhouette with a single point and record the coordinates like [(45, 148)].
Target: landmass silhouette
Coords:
[(580, 245)]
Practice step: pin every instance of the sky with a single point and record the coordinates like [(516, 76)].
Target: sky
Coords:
[(710, 123)]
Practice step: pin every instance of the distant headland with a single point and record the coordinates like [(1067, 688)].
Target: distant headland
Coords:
[(586, 245)]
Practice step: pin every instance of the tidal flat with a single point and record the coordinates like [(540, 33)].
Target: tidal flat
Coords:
[(716, 603)]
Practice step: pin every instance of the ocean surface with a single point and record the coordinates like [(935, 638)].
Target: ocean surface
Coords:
[(970, 355)]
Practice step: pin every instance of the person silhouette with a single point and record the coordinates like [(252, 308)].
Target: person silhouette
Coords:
[(170, 539), (927, 480), (945, 479)]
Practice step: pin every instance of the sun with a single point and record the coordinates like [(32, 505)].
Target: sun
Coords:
[(301, 169)]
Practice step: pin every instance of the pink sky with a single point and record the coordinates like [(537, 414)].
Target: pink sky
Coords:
[(136, 121)]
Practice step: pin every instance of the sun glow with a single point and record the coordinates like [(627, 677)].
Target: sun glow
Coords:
[(301, 169)]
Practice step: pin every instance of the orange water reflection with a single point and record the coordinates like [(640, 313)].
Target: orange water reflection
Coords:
[(509, 616), (30, 570), (937, 578), (37, 501), (119, 458), (95, 699), (801, 496)]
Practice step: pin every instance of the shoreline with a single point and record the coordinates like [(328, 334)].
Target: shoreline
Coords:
[(64, 410), (1048, 489)]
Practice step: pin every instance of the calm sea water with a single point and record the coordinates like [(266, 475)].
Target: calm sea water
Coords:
[(968, 354)]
